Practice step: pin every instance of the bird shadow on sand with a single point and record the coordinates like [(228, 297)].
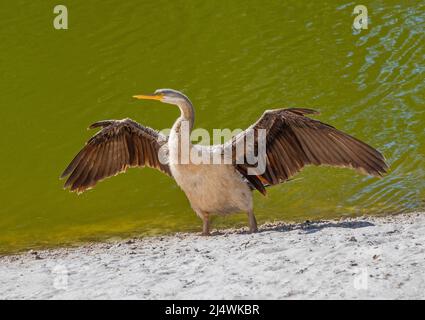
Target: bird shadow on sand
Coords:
[(307, 227)]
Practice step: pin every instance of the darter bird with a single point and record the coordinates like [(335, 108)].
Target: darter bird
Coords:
[(292, 141)]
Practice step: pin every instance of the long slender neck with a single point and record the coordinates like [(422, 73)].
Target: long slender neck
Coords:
[(179, 142), (187, 113)]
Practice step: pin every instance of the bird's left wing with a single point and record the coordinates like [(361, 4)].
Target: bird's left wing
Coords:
[(293, 141), (119, 145)]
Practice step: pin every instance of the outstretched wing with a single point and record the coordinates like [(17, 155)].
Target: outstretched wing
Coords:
[(119, 145), (294, 141)]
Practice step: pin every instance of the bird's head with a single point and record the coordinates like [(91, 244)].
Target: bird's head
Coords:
[(166, 96)]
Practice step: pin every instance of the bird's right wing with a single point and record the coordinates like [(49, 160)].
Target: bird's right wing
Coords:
[(119, 145)]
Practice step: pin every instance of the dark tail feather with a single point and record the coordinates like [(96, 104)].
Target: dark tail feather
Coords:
[(253, 180)]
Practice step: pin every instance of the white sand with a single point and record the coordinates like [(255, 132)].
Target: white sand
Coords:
[(356, 258)]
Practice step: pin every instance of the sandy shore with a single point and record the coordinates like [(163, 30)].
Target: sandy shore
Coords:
[(371, 257)]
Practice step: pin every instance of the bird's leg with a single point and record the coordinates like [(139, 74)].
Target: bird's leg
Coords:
[(205, 224), (252, 222)]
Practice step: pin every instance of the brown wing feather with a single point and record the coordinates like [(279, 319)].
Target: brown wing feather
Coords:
[(294, 141), (119, 145)]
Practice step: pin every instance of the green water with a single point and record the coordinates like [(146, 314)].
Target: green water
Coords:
[(234, 59)]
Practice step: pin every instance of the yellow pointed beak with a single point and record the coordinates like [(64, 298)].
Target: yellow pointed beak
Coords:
[(149, 97)]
